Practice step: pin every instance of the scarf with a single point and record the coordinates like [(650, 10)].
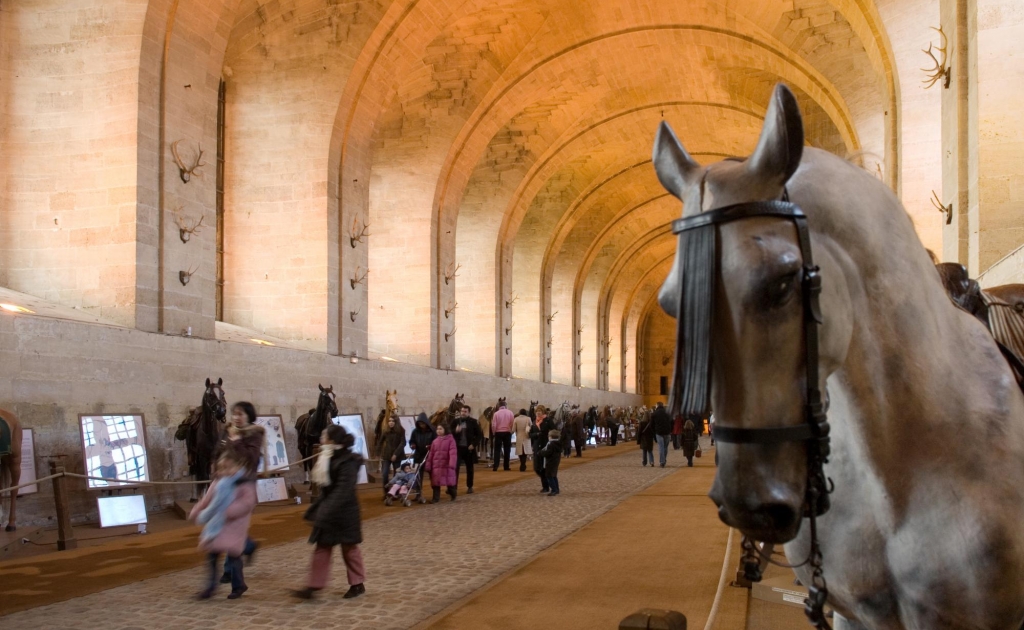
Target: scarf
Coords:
[(214, 515), (321, 474)]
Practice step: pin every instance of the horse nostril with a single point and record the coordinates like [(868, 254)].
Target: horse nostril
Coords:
[(780, 515)]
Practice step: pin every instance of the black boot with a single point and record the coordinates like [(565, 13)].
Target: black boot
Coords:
[(354, 591)]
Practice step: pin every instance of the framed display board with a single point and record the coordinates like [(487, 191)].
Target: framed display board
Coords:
[(273, 489), (353, 423), (125, 510), (273, 428), (409, 424), (114, 446), (28, 462)]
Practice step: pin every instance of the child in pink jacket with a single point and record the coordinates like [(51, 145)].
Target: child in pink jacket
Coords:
[(441, 463), (224, 513)]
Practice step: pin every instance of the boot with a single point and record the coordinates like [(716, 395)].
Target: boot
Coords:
[(306, 593), (354, 591)]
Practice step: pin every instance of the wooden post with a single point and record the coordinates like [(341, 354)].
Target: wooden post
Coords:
[(65, 534)]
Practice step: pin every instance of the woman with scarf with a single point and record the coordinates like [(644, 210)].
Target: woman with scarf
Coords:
[(224, 512), (335, 513)]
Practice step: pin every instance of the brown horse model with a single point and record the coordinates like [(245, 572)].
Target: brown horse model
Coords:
[(800, 284), (449, 414), (201, 430), (10, 462), (309, 426)]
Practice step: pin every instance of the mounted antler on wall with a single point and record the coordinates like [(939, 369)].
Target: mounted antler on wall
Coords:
[(357, 278), (940, 70), (580, 351), (451, 272), (551, 317), (509, 329), (449, 335), (451, 309), (187, 227), (579, 331), (510, 302), (665, 358), (947, 211), (185, 276), (186, 172), (352, 314), (356, 234)]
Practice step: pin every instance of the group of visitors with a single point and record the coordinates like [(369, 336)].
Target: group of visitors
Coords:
[(226, 508), (659, 427)]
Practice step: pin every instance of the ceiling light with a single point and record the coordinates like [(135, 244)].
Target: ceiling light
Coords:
[(14, 308), (262, 342)]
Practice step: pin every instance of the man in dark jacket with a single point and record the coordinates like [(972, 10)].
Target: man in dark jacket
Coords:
[(662, 431), (466, 431), (422, 435), (538, 440)]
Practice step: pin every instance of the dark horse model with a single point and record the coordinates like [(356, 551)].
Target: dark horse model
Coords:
[(310, 425), (201, 430)]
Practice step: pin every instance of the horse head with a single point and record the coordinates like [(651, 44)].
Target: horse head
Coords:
[(214, 404), (743, 297)]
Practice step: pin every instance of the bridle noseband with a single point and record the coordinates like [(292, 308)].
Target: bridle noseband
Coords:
[(691, 382)]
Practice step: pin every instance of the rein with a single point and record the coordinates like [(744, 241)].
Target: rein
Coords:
[(691, 386)]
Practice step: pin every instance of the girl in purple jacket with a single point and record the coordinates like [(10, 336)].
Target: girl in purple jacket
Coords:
[(224, 513), (441, 463)]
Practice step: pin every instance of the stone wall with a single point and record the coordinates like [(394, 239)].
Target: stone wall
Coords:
[(52, 370)]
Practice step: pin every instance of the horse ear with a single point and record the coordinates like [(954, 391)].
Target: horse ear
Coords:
[(320, 386), (781, 144), (676, 170), (220, 382), (207, 382)]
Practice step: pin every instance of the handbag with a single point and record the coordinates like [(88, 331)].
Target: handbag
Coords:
[(696, 453)]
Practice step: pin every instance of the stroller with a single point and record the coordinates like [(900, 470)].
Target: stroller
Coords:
[(413, 488)]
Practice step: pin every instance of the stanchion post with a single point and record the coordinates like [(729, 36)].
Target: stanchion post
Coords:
[(65, 534)]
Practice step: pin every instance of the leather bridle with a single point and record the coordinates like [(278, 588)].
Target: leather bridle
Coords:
[(691, 382)]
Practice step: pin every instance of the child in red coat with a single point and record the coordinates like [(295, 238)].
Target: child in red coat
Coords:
[(441, 463)]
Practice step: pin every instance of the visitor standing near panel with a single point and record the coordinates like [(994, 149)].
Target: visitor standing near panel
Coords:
[(466, 431), (501, 424), (246, 438), (224, 512), (521, 427), (645, 438), (391, 448), (538, 440), (662, 431), (335, 513), (443, 464)]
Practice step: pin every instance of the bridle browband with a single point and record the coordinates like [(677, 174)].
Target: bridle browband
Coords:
[(691, 389)]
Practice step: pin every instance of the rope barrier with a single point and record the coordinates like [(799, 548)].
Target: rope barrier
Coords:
[(142, 483), (721, 583)]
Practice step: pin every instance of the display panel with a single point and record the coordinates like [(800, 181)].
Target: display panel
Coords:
[(273, 489), (114, 446), (126, 510), (353, 423), (277, 453), (28, 462)]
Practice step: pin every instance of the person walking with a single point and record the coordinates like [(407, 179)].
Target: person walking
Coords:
[(662, 430), (645, 438), (551, 453), (467, 434), (443, 464), (224, 511), (677, 431), (579, 432), (335, 513), (521, 427), (690, 443), (248, 440), (501, 424), (422, 435), (613, 428), (539, 436), (391, 448)]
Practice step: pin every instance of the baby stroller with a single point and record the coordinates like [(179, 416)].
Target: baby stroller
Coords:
[(413, 489)]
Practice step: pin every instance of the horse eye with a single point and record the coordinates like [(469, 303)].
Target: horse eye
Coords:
[(778, 290)]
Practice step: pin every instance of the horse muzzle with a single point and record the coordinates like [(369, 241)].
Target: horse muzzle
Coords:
[(772, 520)]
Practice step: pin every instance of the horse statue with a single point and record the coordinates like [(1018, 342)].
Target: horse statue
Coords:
[(449, 414), (200, 431), (888, 508), (390, 409), (309, 426), (591, 422), (10, 464)]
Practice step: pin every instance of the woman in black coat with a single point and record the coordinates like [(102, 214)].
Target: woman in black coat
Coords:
[(335, 513), (421, 438)]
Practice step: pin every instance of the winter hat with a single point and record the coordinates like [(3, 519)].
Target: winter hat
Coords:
[(554, 434)]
